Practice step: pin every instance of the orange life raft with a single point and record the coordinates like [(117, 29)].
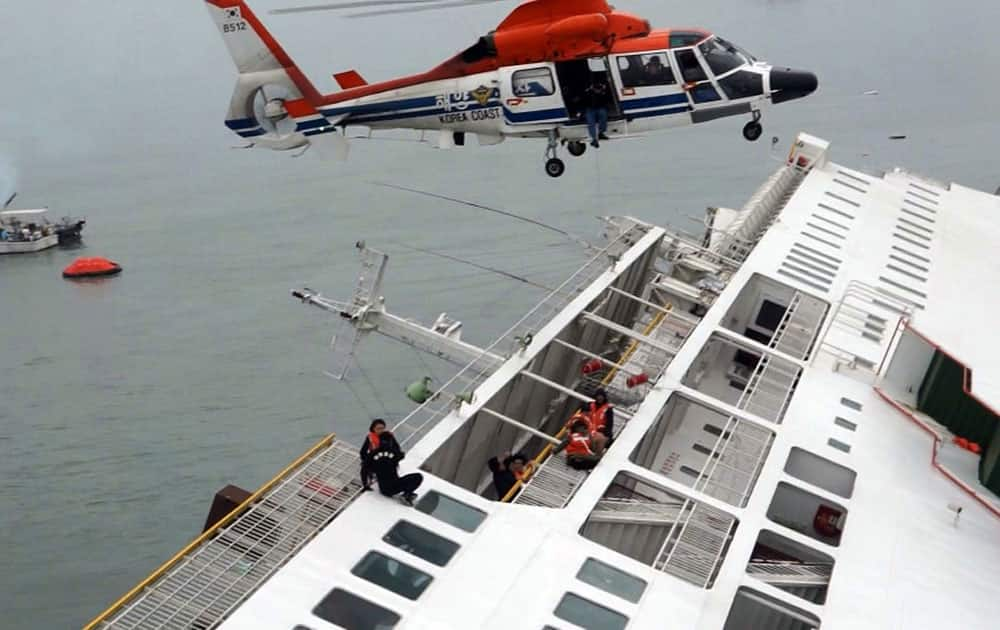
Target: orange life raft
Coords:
[(91, 268)]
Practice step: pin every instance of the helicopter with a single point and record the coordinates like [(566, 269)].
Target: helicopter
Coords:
[(528, 78)]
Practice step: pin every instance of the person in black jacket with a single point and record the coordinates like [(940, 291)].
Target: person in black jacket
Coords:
[(508, 472), (371, 443), (383, 462), (598, 99)]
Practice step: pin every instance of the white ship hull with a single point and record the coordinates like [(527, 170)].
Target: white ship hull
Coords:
[(28, 247)]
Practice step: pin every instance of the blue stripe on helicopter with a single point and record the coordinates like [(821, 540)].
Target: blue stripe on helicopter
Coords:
[(251, 134), (241, 123), (653, 101), (305, 125), (386, 106)]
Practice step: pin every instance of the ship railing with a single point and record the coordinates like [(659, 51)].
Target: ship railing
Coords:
[(204, 582), (557, 482), (769, 389), (694, 546), (758, 213), (631, 511), (466, 380), (799, 326), (790, 573), (860, 326)]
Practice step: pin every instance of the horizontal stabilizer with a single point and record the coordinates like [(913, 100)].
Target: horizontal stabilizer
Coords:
[(349, 79)]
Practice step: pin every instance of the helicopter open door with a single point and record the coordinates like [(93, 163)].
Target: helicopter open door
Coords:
[(648, 90), (531, 96)]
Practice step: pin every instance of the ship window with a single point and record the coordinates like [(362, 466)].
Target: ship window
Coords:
[(421, 543), (719, 58), (350, 611), (450, 511), (607, 578), (533, 82), (398, 577), (691, 70), (645, 70), (742, 84), (589, 615), (820, 472)]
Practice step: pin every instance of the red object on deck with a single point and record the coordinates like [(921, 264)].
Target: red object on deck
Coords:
[(961, 442), (91, 268), (975, 448), (593, 365), (637, 379)]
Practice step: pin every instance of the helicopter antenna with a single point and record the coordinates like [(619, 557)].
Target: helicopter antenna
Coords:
[(9, 200)]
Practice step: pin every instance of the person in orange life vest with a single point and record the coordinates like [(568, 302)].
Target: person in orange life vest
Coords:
[(507, 472), (583, 448), (370, 445), (601, 414)]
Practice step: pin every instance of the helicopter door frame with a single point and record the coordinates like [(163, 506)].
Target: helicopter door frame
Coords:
[(649, 101), (531, 96), (702, 92)]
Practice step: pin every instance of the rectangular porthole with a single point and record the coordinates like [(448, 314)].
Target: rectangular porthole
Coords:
[(589, 615), (851, 404), (807, 513), (840, 446), (820, 472), (350, 611), (389, 573), (608, 578), (846, 424), (421, 543), (450, 511)]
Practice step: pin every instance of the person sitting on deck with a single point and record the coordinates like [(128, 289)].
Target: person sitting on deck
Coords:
[(601, 414), (371, 444), (508, 471), (583, 448), (384, 461)]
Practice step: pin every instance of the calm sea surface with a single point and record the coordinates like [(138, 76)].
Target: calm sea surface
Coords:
[(125, 404)]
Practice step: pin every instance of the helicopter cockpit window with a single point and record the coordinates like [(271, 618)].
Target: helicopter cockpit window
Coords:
[(645, 70), (720, 58), (691, 70), (533, 82), (679, 39)]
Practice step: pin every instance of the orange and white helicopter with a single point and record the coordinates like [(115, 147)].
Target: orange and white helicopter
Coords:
[(525, 79)]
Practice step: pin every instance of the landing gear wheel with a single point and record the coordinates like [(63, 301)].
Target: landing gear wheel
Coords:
[(554, 167), (576, 148), (752, 130)]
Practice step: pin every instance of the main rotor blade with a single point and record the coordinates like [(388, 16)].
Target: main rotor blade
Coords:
[(335, 6), (429, 7)]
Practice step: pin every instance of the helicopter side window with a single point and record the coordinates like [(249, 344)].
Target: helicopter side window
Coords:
[(645, 70), (679, 39), (533, 82), (719, 58), (691, 70)]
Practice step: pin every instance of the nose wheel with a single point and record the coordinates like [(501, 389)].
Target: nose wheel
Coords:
[(753, 129)]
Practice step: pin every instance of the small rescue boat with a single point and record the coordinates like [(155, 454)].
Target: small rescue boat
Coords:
[(91, 268)]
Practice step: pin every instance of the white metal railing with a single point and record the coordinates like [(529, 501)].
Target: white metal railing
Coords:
[(466, 380), (619, 510), (552, 485), (760, 211), (787, 573), (865, 321), (203, 586), (799, 326), (769, 388), (695, 544)]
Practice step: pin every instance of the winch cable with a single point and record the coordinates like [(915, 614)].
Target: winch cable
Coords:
[(479, 206)]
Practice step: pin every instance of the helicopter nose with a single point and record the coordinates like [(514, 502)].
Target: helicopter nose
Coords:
[(788, 84)]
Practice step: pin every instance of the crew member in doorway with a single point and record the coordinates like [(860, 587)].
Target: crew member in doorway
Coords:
[(508, 471), (601, 415), (371, 444), (383, 462), (598, 98), (583, 448)]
